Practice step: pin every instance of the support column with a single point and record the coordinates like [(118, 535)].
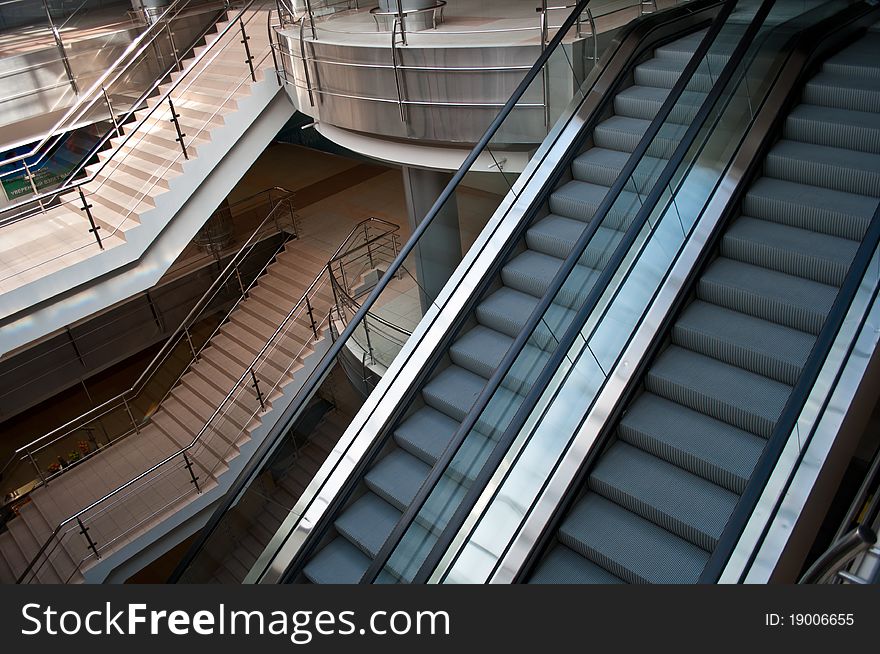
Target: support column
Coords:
[(439, 250)]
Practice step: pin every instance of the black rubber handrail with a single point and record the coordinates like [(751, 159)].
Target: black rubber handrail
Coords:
[(328, 360), (788, 418), (559, 280)]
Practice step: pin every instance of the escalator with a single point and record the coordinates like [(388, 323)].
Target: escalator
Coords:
[(408, 472), (390, 485), (656, 501)]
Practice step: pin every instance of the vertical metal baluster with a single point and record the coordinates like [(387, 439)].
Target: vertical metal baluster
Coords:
[(180, 135), (173, 46), (137, 430), (191, 347), (87, 207), (85, 532), (256, 386), (33, 461), (194, 479), (249, 60), (112, 113), (312, 318)]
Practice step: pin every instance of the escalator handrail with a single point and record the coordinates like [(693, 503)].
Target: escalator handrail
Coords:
[(311, 383), (559, 280), (785, 425)]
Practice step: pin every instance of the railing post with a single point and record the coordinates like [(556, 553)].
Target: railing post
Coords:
[(244, 293), (61, 50), (191, 346), (88, 209), (249, 60), (545, 71), (397, 83), (180, 135), (312, 318), (137, 430), (110, 109), (30, 177), (311, 15), (304, 58), (367, 242), (173, 45), (367, 336), (85, 532), (256, 386), (401, 17), (33, 461), (193, 478)]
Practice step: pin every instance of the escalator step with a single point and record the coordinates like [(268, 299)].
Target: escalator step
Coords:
[(426, 433), (855, 130), (753, 344), (453, 391), (506, 310), (821, 210), (820, 257), (645, 102), (843, 92), (691, 440), (580, 200), (629, 547), (665, 72), (564, 566), (339, 562), (719, 390), (397, 478), (367, 523), (481, 350), (784, 299), (825, 167), (532, 272), (554, 235), (857, 60), (683, 503)]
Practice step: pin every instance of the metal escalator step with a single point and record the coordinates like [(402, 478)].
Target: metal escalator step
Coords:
[(843, 92), (506, 310), (367, 523), (629, 547), (480, 350), (784, 299), (602, 166), (842, 128), (719, 390), (820, 257), (756, 345), (426, 433), (714, 450), (645, 102), (532, 272), (821, 210), (858, 60), (565, 566), (397, 478), (339, 562), (824, 166), (689, 506), (580, 200), (665, 72), (453, 391), (556, 236)]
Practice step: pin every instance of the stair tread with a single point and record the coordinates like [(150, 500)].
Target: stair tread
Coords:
[(683, 503), (397, 478), (712, 449), (368, 522), (733, 395), (339, 562)]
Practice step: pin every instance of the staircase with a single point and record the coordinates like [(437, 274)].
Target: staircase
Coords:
[(280, 495), (657, 501), (389, 486), (179, 417), (141, 201)]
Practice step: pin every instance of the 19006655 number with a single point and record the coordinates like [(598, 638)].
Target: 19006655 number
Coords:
[(821, 619)]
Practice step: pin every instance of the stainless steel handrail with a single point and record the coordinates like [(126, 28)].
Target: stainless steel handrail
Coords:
[(123, 398), (182, 452)]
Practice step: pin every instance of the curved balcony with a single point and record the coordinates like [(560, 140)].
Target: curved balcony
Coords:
[(437, 73)]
